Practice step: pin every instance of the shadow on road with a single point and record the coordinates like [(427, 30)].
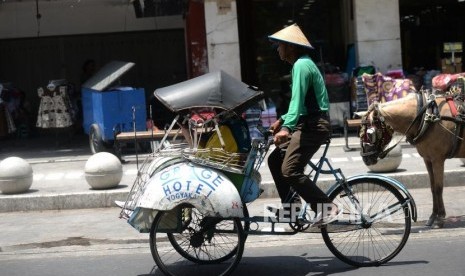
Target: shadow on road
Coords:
[(291, 265)]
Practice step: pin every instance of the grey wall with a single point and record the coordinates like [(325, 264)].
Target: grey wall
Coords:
[(66, 17), (377, 27)]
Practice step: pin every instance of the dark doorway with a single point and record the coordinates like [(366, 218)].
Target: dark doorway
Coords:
[(425, 26), (319, 19)]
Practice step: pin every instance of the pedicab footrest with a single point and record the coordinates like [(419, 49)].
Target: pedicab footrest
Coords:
[(217, 158)]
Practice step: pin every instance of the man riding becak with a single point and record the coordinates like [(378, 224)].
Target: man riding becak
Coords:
[(300, 132)]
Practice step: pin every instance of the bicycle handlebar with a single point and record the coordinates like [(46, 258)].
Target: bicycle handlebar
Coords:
[(265, 132)]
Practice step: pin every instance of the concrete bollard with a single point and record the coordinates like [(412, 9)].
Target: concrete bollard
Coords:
[(103, 170), (15, 175), (392, 160)]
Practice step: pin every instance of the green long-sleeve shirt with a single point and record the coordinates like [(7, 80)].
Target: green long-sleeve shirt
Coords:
[(305, 74)]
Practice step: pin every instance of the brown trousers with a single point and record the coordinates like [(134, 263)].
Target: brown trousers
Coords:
[(288, 161)]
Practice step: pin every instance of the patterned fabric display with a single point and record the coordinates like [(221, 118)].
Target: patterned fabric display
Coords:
[(381, 88), (54, 109), (371, 87), (393, 89)]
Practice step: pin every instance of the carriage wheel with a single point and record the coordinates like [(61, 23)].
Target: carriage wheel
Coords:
[(372, 242), (96, 141), (203, 245), (187, 212)]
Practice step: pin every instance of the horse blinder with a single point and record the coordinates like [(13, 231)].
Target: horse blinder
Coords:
[(374, 136), (369, 151)]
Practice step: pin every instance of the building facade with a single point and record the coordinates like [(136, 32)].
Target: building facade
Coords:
[(173, 40)]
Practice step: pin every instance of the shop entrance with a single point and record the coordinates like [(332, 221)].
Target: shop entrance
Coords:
[(425, 26), (323, 22), (32, 63)]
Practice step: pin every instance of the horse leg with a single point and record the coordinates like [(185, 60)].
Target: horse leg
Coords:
[(432, 218), (438, 168)]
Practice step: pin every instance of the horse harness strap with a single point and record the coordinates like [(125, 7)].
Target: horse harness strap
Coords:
[(453, 109), (459, 119), (430, 114)]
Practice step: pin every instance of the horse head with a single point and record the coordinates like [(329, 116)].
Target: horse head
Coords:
[(374, 135)]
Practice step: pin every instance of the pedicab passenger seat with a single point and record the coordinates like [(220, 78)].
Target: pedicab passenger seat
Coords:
[(228, 98), (239, 167), (221, 145), (216, 91)]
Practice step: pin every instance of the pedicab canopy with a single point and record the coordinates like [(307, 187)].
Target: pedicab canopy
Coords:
[(216, 89)]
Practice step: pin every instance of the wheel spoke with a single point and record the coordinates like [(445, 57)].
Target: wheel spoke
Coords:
[(394, 208), (215, 250), (373, 234)]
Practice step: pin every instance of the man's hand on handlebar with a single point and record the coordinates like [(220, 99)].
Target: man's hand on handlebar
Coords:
[(275, 127), (281, 137)]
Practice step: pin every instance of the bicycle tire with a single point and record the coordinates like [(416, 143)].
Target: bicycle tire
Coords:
[(370, 244), (96, 142), (212, 252)]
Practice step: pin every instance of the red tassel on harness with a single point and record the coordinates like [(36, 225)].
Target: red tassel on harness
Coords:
[(453, 108)]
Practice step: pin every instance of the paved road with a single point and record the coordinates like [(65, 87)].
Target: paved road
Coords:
[(431, 256), (96, 242), (26, 231)]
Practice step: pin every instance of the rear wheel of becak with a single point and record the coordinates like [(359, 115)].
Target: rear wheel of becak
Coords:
[(203, 245), (96, 141)]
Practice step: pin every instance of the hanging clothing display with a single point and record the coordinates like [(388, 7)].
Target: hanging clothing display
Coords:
[(54, 108)]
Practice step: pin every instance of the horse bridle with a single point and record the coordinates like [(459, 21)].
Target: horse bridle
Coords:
[(375, 134)]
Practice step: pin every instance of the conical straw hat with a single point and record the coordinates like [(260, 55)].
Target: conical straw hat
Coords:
[(292, 34)]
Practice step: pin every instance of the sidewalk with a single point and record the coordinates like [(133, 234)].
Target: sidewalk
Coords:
[(74, 193)]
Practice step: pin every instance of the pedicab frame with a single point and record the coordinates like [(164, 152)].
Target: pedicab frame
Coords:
[(179, 182)]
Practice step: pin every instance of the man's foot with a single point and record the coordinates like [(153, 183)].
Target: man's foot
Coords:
[(330, 213)]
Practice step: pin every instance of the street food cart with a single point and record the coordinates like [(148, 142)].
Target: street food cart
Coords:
[(110, 108)]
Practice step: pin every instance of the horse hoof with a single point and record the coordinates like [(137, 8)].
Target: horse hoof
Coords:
[(431, 220), (438, 225)]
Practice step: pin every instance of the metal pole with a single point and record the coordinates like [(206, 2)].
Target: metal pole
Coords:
[(135, 136)]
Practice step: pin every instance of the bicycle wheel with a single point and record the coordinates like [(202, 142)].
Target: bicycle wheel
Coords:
[(202, 244), (379, 235), (222, 225)]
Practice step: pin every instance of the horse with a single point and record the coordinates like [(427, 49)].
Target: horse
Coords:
[(431, 123)]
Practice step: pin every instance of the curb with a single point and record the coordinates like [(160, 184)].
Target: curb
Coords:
[(88, 200), (106, 198), (414, 180)]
